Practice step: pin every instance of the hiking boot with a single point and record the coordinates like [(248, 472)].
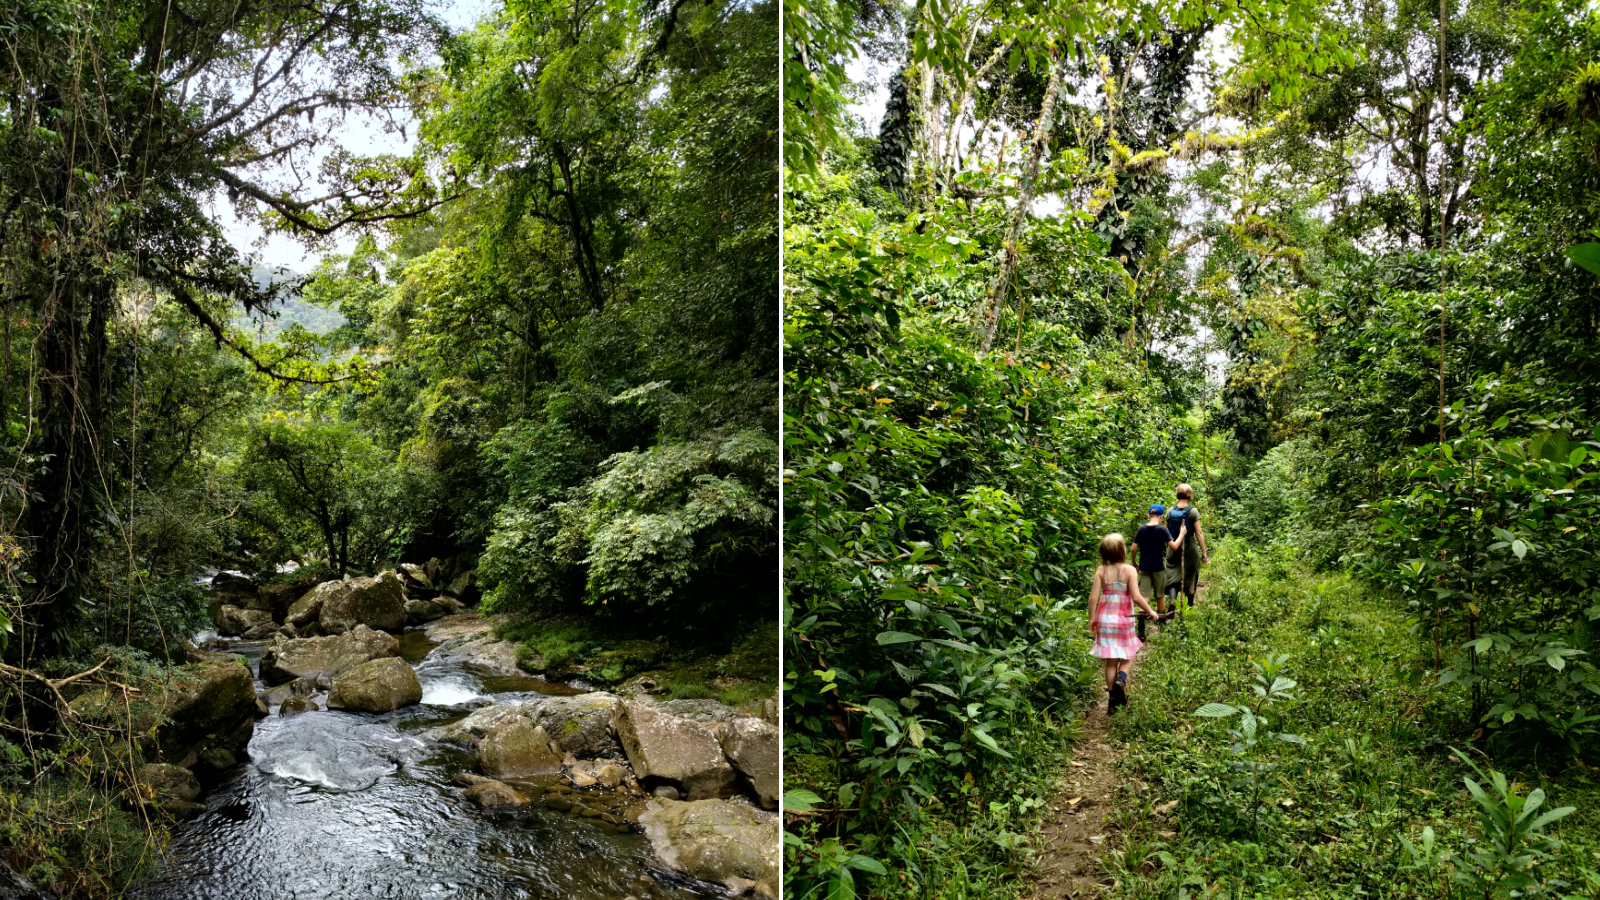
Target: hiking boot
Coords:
[(1119, 693)]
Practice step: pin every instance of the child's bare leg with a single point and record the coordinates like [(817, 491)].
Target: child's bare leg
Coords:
[(1124, 665), (1111, 673)]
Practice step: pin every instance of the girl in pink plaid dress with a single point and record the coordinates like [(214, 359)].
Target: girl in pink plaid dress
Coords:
[(1111, 601)]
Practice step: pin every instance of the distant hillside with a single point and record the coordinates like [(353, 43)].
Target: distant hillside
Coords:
[(295, 310)]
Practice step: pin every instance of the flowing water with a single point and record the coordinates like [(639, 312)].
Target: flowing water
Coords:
[(349, 805)]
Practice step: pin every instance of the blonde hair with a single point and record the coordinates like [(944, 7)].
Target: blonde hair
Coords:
[(1113, 550), (1185, 492)]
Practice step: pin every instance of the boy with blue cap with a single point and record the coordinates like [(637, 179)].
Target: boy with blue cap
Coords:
[(1150, 545)]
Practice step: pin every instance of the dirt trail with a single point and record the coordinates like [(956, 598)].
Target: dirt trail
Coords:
[(1076, 827)]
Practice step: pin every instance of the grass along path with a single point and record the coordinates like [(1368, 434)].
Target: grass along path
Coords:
[(1205, 813), (1079, 824)]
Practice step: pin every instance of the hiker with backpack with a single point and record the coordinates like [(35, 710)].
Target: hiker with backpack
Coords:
[(1151, 544), (1183, 523)]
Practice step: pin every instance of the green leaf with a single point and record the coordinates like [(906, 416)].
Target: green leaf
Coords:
[(917, 734), (1587, 256), (842, 886), (1551, 816), (800, 800), (1216, 710), (885, 638), (865, 864), (987, 741), (1519, 548)]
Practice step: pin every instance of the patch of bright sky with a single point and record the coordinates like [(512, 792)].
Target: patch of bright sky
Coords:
[(361, 137)]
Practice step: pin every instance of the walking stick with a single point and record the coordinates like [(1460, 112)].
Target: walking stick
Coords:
[(1183, 574)]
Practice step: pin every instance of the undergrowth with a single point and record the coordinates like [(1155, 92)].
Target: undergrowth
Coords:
[(1373, 804), (735, 668)]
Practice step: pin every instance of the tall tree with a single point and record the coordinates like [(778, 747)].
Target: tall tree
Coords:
[(123, 124)]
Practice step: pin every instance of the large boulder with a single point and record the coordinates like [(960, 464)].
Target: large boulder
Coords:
[(382, 685), (580, 724), (517, 748), (717, 840), (280, 596), (325, 656), (706, 712), (419, 612), (752, 746), (467, 638), (308, 608), (234, 620), (378, 602), (416, 576), (165, 781), (464, 587), (479, 722), (201, 718), (663, 747), (210, 711)]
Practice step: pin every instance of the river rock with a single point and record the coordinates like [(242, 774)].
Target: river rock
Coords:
[(469, 639), (233, 620), (490, 794), (752, 746), (464, 587), (610, 775), (517, 748), (378, 602), (210, 710), (330, 655), (470, 731), (420, 611), (706, 712), (261, 632), (14, 887), (295, 705), (168, 782), (663, 747), (299, 687), (202, 708), (308, 608), (717, 840), (413, 573), (382, 685), (580, 724)]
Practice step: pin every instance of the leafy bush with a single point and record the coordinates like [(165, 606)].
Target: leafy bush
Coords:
[(681, 527)]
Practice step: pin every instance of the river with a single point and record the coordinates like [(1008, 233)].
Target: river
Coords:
[(346, 805)]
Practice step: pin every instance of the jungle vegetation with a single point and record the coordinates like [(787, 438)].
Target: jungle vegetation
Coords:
[(1335, 264), (553, 346)]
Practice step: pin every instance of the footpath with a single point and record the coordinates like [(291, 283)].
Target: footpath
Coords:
[(1076, 828)]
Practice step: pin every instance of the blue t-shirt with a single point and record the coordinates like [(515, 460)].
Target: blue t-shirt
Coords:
[(1152, 542)]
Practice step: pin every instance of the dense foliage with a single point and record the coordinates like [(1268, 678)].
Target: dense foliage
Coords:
[(1004, 302), (552, 350)]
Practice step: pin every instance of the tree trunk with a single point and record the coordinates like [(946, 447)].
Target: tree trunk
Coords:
[(1030, 181)]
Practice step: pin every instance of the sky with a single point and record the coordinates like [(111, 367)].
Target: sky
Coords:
[(282, 252)]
